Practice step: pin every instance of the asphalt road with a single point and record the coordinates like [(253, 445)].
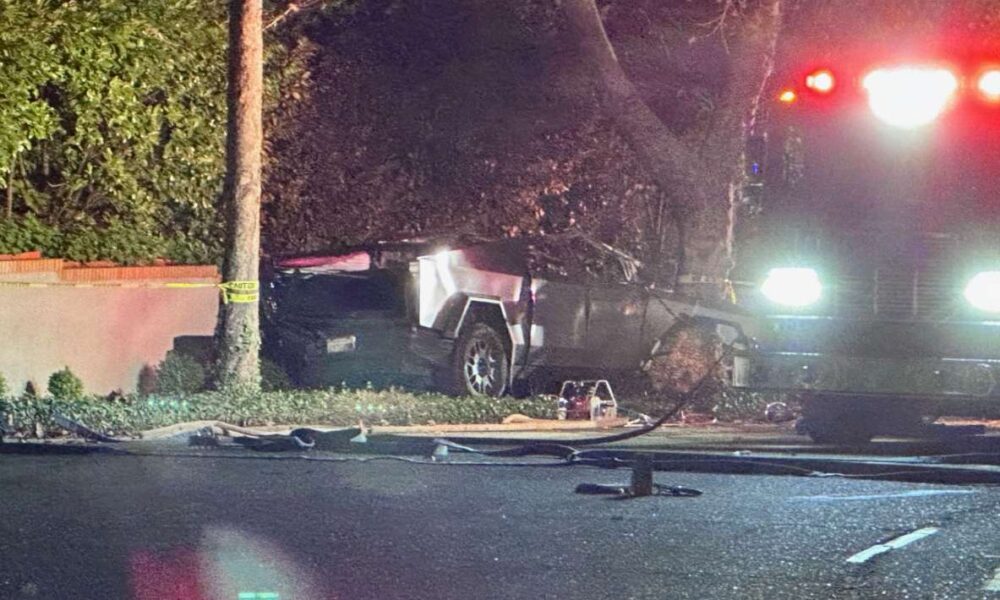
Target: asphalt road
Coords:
[(108, 527)]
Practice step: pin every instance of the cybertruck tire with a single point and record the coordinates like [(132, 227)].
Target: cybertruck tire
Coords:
[(479, 364)]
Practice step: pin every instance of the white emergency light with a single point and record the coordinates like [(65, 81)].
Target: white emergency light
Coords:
[(983, 291), (909, 97), (795, 287)]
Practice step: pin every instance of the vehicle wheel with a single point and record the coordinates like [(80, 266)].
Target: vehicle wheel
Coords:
[(839, 422), (681, 360), (479, 364)]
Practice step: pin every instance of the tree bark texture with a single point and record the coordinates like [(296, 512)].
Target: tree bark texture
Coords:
[(239, 330), (670, 162), (703, 178)]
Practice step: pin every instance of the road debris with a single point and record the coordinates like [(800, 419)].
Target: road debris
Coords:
[(641, 486), (81, 430), (778, 412)]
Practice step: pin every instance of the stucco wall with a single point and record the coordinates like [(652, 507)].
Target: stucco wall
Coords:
[(105, 334)]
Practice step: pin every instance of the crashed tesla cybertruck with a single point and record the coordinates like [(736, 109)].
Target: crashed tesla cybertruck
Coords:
[(511, 316)]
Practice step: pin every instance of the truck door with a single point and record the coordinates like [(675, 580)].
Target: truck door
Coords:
[(614, 329), (559, 323)]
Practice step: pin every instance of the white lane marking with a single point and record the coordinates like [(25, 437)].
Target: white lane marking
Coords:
[(892, 544), (907, 494), (993, 585)]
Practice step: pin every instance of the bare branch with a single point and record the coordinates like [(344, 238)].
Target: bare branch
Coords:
[(752, 64), (718, 24), (292, 8)]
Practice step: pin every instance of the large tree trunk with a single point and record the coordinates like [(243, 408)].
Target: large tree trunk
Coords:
[(670, 163), (704, 179), (239, 330)]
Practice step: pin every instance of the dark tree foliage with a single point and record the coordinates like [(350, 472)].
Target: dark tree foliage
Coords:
[(485, 118), (111, 127), (390, 118)]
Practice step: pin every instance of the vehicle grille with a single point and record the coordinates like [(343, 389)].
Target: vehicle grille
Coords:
[(930, 295), (926, 289)]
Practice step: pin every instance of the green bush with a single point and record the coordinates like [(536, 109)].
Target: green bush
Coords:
[(112, 122), (334, 407), (180, 374), (272, 377), (147, 379), (119, 241), (65, 385), (4, 390), (112, 127), (26, 235)]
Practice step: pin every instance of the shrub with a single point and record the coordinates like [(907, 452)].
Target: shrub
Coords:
[(122, 242), (180, 374), (335, 407), (147, 380), (272, 377), (27, 234), (4, 390), (65, 385)]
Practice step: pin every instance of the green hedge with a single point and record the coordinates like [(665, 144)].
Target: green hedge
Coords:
[(337, 407)]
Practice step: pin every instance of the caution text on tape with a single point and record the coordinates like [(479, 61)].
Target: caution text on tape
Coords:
[(240, 292)]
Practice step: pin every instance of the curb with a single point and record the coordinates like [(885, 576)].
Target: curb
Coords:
[(528, 425), (907, 470)]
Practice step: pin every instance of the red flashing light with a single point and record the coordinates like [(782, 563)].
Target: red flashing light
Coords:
[(787, 96), (821, 81), (989, 85)]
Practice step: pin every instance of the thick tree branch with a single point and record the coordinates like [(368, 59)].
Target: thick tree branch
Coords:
[(669, 161), (703, 177), (292, 8)]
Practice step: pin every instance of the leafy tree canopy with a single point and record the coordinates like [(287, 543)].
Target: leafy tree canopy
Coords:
[(112, 122)]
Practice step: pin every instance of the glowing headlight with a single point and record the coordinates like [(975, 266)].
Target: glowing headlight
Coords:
[(795, 287), (983, 291)]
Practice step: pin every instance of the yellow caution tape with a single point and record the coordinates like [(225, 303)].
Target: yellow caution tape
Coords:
[(190, 285), (104, 284), (729, 290), (240, 292), (237, 292)]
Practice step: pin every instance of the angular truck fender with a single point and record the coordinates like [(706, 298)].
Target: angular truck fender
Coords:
[(455, 314)]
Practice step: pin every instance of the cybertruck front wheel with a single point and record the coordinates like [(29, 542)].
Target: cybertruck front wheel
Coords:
[(479, 364)]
